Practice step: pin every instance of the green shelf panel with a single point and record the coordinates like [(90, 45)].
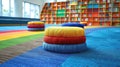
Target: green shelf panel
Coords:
[(61, 13), (117, 0), (84, 7)]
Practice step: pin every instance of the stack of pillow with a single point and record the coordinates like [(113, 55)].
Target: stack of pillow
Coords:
[(64, 39), (35, 25)]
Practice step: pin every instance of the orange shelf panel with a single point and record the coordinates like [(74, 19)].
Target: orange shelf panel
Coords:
[(95, 14), (96, 24)]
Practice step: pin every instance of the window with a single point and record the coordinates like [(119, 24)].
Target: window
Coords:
[(37, 11), (30, 10), (0, 7), (61, 0), (26, 12), (7, 7), (50, 0), (12, 10)]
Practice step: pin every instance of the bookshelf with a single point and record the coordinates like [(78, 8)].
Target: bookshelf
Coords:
[(94, 12)]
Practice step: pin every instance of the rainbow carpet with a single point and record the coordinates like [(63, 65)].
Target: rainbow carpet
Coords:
[(103, 51)]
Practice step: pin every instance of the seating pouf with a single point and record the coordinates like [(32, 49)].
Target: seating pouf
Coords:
[(73, 25), (35, 26), (64, 39)]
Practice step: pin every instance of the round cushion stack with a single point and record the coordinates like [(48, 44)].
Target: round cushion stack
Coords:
[(73, 25), (35, 25), (64, 39)]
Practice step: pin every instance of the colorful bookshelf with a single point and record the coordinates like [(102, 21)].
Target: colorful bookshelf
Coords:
[(94, 12)]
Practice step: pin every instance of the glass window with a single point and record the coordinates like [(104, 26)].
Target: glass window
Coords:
[(0, 7), (61, 0), (37, 12), (26, 10), (32, 13), (50, 0), (12, 11), (30, 10), (5, 7)]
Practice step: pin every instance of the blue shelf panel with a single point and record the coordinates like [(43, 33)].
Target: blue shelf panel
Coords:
[(90, 5), (93, 5)]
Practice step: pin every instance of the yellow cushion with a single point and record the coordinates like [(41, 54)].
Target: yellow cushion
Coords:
[(35, 22), (83, 22), (64, 31)]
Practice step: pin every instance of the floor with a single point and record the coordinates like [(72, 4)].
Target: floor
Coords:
[(26, 51)]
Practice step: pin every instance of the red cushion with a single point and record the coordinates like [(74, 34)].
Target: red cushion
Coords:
[(35, 26), (65, 40)]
